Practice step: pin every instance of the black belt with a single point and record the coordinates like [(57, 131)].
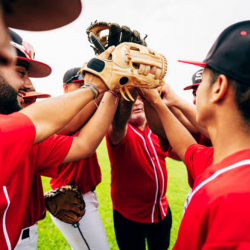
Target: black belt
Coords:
[(26, 233)]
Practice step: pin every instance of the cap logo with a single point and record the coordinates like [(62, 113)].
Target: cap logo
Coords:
[(243, 33), (198, 76), (28, 53)]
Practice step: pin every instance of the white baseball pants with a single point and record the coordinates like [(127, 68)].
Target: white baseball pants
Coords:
[(28, 239), (90, 225)]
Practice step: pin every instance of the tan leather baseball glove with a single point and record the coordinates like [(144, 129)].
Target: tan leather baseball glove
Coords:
[(131, 66)]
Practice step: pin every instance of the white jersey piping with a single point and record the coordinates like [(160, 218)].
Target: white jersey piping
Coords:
[(4, 218), (159, 165), (157, 188), (217, 173)]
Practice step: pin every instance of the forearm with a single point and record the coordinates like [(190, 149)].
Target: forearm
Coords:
[(81, 118), (118, 128), (91, 135), (183, 119), (50, 115), (189, 111), (179, 137), (153, 120)]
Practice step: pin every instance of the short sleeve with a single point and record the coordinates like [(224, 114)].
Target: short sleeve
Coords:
[(197, 159), (50, 153)]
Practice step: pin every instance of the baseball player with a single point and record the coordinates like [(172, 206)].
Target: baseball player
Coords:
[(36, 211), (220, 201), (17, 172), (35, 208), (26, 66), (18, 125), (86, 174), (196, 80), (200, 138), (138, 181)]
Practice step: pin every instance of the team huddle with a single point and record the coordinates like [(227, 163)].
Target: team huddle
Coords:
[(121, 95)]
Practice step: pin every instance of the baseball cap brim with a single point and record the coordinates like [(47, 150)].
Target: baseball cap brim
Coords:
[(201, 64), (191, 86), (36, 68), (36, 94), (81, 80), (37, 15)]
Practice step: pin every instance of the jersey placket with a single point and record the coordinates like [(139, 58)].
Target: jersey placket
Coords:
[(154, 168)]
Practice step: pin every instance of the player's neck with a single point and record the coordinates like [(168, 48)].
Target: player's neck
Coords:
[(230, 139), (142, 127)]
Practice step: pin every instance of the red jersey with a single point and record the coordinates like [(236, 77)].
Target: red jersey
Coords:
[(16, 197), (196, 168), (17, 137), (138, 176), (202, 140), (217, 216), (86, 174)]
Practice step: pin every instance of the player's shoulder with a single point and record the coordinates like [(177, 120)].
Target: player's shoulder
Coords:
[(199, 152)]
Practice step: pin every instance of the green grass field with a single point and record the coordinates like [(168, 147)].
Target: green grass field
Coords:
[(51, 238)]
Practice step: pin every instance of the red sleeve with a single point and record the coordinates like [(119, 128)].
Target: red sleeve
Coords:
[(197, 159), (120, 145), (50, 154), (17, 137)]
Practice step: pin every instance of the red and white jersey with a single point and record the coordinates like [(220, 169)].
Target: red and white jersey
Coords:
[(138, 176), (86, 174), (41, 159), (36, 207), (45, 154), (217, 216)]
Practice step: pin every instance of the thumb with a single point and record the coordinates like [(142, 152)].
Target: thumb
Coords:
[(106, 53)]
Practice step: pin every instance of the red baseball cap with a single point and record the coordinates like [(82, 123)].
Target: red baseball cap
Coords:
[(196, 79), (40, 15), (230, 54), (36, 94), (25, 52)]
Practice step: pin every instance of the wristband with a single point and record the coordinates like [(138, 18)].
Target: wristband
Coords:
[(93, 86), (88, 87)]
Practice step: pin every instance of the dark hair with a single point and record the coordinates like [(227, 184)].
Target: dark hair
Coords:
[(242, 94), (6, 5)]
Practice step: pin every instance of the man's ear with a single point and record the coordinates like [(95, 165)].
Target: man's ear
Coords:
[(65, 88), (219, 89)]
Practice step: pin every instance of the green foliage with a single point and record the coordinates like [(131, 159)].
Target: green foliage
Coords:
[(51, 238)]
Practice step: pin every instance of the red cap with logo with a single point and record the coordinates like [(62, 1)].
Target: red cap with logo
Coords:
[(25, 52)]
